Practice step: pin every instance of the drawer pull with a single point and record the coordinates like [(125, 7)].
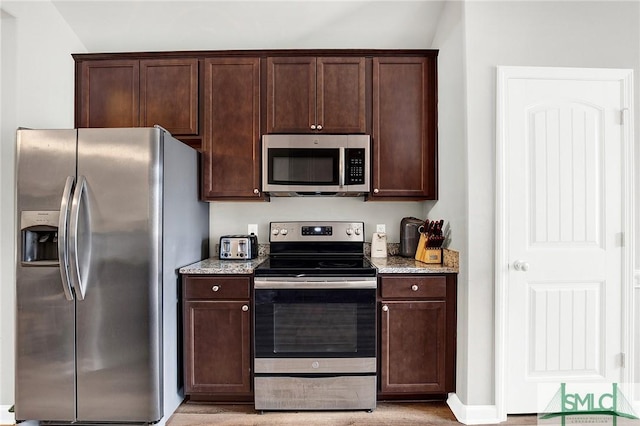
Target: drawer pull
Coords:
[(414, 287), (245, 308), (215, 288), (385, 308)]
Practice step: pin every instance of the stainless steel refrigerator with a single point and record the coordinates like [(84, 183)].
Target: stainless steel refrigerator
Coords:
[(106, 217)]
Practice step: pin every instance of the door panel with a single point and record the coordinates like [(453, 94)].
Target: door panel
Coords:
[(110, 91), (45, 359), (564, 221), (231, 160), (119, 337), (291, 94)]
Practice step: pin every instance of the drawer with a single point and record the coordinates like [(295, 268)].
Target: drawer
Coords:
[(408, 286), (217, 287)]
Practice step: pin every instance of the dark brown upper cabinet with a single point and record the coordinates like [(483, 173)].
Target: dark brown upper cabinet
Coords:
[(169, 95), (231, 148), (109, 93), (139, 93), (316, 94), (404, 128)]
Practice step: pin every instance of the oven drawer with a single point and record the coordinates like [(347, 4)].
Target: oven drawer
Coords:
[(315, 393), (220, 288), (411, 286)]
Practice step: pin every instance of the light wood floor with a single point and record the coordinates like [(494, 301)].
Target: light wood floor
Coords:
[(386, 413)]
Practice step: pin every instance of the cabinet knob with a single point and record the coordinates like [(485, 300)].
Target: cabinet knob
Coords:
[(215, 288), (376, 190), (385, 308), (319, 127), (313, 127), (245, 308), (256, 191), (414, 287)]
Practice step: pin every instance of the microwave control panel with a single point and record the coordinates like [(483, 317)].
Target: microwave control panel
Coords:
[(355, 166)]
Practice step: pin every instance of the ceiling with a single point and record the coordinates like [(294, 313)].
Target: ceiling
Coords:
[(149, 25)]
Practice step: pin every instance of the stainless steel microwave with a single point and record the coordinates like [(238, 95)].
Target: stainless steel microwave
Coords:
[(295, 165)]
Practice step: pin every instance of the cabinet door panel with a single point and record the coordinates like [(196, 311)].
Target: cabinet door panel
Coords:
[(413, 336), (404, 127), (291, 94), (231, 157), (341, 95), (217, 357), (109, 93), (169, 94)]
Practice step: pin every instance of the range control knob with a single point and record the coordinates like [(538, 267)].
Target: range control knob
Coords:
[(284, 231), (358, 231), (275, 231), (349, 231)]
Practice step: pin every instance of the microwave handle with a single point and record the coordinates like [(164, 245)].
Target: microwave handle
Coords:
[(341, 169)]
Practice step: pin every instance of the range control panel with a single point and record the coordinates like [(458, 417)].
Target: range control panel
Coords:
[(316, 231)]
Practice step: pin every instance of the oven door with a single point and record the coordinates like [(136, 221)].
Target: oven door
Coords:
[(315, 319)]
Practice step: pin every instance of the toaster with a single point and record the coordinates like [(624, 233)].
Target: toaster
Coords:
[(238, 247)]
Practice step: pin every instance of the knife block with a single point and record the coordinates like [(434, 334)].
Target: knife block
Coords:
[(426, 254), (431, 255)]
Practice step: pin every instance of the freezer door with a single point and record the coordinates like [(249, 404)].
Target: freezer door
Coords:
[(45, 360), (118, 237)]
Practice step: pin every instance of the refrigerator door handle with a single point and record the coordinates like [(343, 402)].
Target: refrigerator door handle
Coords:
[(73, 238), (63, 248)]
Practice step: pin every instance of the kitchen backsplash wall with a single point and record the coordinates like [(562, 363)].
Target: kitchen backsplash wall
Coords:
[(233, 217)]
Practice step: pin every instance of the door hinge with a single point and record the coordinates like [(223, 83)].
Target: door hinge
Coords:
[(620, 239), (622, 359)]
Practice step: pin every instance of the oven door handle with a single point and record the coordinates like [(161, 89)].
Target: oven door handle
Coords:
[(305, 283)]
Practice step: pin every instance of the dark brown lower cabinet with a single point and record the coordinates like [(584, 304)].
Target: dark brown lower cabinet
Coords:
[(217, 333), (417, 335)]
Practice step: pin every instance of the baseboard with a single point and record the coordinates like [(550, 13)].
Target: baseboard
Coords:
[(6, 418), (473, 414)]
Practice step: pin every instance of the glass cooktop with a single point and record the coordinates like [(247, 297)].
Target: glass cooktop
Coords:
[(348, 266)]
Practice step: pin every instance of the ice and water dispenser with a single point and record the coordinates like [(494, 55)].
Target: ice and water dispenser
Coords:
[(39, 237)]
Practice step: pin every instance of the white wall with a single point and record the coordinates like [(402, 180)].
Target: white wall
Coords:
[(565, 34), (232, 218), (7, 121), (452, 163), (36, 91)]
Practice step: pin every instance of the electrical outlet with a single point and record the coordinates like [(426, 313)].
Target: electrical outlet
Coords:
[(252, 228), (381, 228)]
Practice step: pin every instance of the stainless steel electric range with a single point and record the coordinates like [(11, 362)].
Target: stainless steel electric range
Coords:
[(315, 319)]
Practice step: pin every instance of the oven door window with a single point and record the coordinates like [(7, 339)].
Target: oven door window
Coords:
[(315, 323), (296, 166)]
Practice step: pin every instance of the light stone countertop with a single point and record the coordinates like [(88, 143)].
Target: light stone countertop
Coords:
[(385, 265), (217, 266)]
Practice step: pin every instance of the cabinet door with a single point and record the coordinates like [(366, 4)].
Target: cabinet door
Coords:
[(404, 128), (291, 95), (109, 94), (341, 95), (231, 148), (413, 338), (216, 339), (169, 95)]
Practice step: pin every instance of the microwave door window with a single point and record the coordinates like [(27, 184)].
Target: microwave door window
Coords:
[(303, 166)]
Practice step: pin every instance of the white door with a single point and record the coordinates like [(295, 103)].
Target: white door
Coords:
[(563, 206)]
